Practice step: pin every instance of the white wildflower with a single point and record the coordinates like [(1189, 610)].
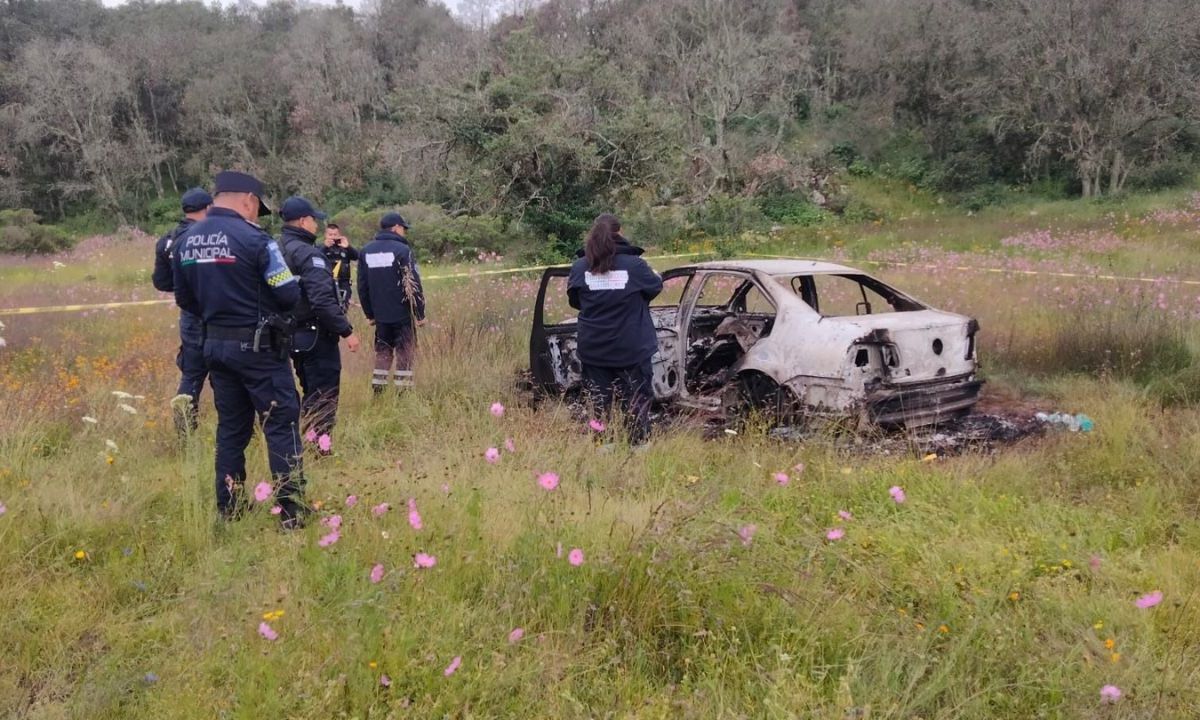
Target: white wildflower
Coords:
[(58, 265), (90, 420), (122, 395), (112, 446), (139, 397), (128, 408), (3, 342)]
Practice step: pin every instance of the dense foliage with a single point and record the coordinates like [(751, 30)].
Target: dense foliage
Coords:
[(545, 113)]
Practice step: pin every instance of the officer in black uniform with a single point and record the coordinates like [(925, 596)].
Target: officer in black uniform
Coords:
[(190, 358), (232, 274), (389, 288), (340, 254), (320, 320)]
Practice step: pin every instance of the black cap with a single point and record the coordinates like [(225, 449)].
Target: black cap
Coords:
[(237, 182), (195, 200), (391, 220), (297, 207)]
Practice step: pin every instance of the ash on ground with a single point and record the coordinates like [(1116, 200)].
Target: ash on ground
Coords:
[(978, 432)]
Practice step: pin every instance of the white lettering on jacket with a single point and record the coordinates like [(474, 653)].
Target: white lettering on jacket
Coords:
[(614, 280), (380, 259)]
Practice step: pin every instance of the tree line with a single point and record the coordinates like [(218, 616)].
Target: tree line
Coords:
[(546, 111)]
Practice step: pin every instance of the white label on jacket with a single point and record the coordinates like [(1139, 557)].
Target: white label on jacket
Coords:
[(615, 280), (318, 262), (380, 260)]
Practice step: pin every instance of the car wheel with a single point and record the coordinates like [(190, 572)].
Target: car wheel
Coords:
[(754, 393)]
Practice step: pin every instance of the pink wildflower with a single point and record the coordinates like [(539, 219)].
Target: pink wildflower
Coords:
[(596, 426), (351, 500), (575, 557), (3, 508), (380, 509), (262, 491), (324, 443), (509, 445), (333, 522), (1149, 600), (1094, 563), (276, 510), (453, 666), (267, 631), (897, 494), (1109, 694), (330, 539), (422, 560), (845, 515), (548, 481), (385, 681), (799, 468), (311, 435), (516, 635), (414, 517), (497, 409), (746, 533), (377, 573), (782, 478), (446, 488), (491, 455), (835, 534)]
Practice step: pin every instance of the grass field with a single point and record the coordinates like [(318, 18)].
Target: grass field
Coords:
[(1004, 586)]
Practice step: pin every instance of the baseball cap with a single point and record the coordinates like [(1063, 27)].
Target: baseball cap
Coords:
[(297, 207), (238, 182), (195, 200), (391, 220)]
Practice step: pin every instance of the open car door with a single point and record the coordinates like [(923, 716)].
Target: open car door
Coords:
[(552, 359)]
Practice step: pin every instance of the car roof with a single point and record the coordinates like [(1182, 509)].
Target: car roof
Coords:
[(780, 266)]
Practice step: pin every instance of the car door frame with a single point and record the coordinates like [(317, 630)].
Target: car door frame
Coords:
[(541, 366)]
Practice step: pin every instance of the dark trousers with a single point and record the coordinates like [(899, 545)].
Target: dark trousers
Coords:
[(250, 385), (394, 343), (192, 368), (320, 373), (631, 386)]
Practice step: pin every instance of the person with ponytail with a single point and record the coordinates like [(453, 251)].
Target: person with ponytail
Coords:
[(611, 286)]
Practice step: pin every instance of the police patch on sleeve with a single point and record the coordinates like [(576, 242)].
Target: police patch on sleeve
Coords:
[(319, 262), (277, 273)]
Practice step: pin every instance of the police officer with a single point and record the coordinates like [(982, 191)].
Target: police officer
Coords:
[(389, 288), (340, 254), (320, 320), (232, 274), (190, 358), (611, 286)]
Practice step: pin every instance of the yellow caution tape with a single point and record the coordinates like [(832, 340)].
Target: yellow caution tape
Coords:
[(513, 271), (166, 301)]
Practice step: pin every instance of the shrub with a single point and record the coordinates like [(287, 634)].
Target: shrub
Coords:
[(791, 208), (724, 215), (20, 232), (654, 226), (434, 233)]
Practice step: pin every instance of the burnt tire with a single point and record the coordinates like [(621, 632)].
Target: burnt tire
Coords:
[(754, 394)]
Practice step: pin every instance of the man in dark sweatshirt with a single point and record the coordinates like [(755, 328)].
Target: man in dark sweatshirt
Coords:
[(190, 358), (320, 322), (389, 288), (341, 255)]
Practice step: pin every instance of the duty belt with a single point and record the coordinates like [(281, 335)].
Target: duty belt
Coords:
[(220, 332)]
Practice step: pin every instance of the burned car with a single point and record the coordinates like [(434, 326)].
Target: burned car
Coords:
[(795, 337)]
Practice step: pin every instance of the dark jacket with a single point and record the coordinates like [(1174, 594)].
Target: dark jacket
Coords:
[(340, 259), (382, 267), (163, 275), (614, 327), (318, 300), (230, 272)]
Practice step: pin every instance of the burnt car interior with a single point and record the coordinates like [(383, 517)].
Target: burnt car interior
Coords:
[(836, 295), (731, 314)]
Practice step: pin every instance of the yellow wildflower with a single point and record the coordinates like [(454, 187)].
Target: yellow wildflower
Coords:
[(943, 629), (80, 554), (1116, 657), (1014, 596), (1110, 643)]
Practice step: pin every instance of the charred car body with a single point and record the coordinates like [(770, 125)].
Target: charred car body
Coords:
[(789, 336)]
